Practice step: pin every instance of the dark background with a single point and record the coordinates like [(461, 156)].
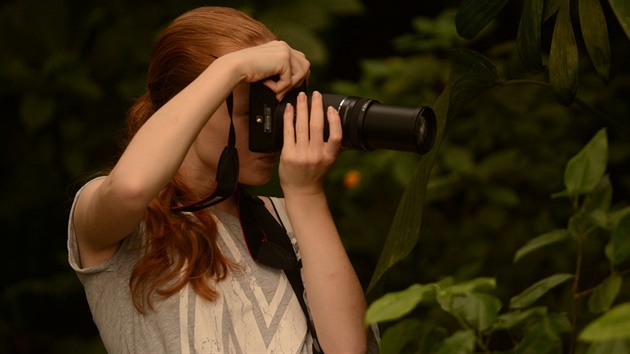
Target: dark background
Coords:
[(70, 69)]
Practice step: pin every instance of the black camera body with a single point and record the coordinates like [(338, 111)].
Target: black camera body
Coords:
[(367, 124)]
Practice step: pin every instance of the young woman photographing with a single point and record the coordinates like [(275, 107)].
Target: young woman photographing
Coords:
[(162, 278)]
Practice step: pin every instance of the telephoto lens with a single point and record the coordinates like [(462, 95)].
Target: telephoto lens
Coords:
[(367, 124)]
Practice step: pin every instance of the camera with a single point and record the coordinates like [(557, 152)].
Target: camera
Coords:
[(367, 124)]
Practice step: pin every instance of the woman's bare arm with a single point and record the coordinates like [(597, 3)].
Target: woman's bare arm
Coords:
[(110, 209), (334, 292)]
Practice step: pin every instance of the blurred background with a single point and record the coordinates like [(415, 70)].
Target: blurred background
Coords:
[(70, 69)]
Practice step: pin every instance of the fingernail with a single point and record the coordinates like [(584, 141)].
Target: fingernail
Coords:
[(316, 94), (302, 96)]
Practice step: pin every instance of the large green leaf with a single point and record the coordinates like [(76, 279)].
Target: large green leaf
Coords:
[(563, 57), (615, 217), (550, 8), (528, 36), (585, 170), (478, 309), (582, 224), (481, 283), (471, 75), (536, 291), (474, 15), (621, 8), (600, 198), (541, 241), (411, 334), (605, 294), (540, 338), (618, 248), (610, 346), (515, 318), (461, 342), (397, 304), (398, 336), (614, 324), (595, 34), (405, 230), (468, 64)]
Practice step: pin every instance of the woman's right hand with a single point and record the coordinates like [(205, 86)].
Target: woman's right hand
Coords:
[(270, 59), (112, 208)]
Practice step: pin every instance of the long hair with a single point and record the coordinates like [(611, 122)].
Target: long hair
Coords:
[(178, 249)]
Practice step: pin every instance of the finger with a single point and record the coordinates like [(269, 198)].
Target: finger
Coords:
[(317, 121), (333, 145), (288, 130), (298, 72), (300, 66), (301, 123), (307, 76), (282, 85)]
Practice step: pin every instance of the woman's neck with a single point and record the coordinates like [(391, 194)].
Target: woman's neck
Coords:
[(229, 206)]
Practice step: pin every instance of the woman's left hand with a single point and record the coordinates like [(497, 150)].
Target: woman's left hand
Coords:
[(306, 157), (335, 296)]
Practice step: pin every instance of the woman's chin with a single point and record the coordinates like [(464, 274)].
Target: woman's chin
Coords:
[(257, 180)]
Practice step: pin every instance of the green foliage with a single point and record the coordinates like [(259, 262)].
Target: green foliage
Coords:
[(528, 37), (563, 57), (621, 9), (595, 33), (613, 324), (618, 248), (548, 316), (473, 16), (547, 239), (586, 169), (605, 294), (533, 329), (537, 290), (471, 75)]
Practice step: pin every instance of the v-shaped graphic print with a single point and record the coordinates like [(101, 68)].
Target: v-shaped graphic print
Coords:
[(257, 310)]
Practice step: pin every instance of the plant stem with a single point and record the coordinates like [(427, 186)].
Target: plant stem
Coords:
[(584, 293)]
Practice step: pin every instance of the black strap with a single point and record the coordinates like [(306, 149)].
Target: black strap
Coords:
[(267, 241), (227, 171), (269, 244)]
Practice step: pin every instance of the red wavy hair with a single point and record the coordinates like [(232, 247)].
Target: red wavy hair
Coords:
[(179, 250)]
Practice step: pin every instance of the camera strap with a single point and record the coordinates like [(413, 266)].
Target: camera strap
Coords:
[(269, 244), (227, 172)]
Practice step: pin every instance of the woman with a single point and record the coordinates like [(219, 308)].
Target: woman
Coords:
[(162, 280)]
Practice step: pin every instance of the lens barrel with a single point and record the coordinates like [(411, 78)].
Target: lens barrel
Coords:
[(368, 125)]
